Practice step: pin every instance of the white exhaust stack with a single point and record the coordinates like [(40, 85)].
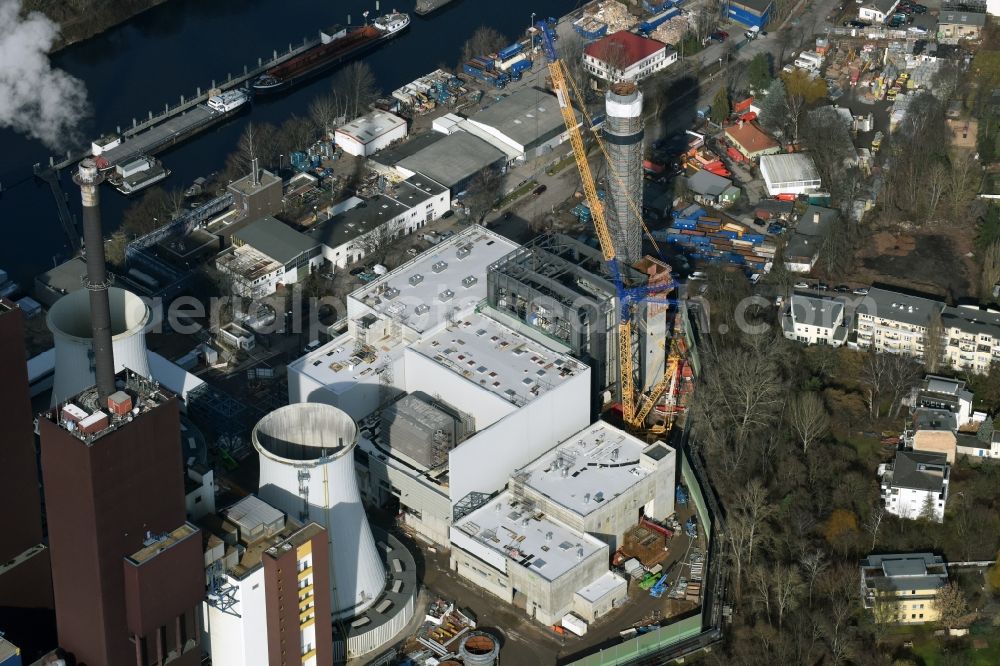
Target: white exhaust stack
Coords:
[(307, 470), (70, 324)]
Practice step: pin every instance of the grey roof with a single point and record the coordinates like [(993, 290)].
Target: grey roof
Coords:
[(972, 320), (708, 184), (814, 311), (800, 246), (524, 116), (816, 221), (275, 239), (245, 184), (788, 167), (920, 470), (884, 6), (897, 306), (413, 145), (251, 513), (925, 418), (905, 571), (944, 385), (453, 159), (962, 18)]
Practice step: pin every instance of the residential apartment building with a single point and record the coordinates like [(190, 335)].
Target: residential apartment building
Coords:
[(900, 588), (915, 485), (891, 321), (812, 320)]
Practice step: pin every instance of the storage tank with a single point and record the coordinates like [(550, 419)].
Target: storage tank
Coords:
[(307, 470), (479, 649), (69, 322)]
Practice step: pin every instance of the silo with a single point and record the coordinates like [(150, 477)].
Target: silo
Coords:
[(479, 649), (307, 470), (623, 134), (70, 324)]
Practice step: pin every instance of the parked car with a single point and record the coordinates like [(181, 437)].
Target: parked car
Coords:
[(447, 214), (801, 285), (861, 291), (538, 190), (719, 36), (842, 289), (697, 275), (357, 271), (822, 286)]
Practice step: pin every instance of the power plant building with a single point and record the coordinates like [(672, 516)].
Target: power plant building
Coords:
[(127, 569), (268, 586)]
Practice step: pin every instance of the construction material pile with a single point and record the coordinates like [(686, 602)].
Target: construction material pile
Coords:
[(672, 31), (612, 12)]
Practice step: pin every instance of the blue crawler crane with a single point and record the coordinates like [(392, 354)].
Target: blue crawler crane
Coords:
[(661, 586)]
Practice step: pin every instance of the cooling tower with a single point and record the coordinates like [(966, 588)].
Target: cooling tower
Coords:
[(69, 321), (623, 133), (307, 471)]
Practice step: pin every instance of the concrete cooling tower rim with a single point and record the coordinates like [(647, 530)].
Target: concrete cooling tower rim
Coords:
[(305, 434), (70, 315)]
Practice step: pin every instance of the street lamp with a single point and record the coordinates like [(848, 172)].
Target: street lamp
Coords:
[(281, 161)]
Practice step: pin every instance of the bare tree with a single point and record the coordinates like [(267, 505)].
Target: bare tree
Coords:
[(354, 89), (808, 417), (936, 185), (484, 40), (813, 564), (760, 584), (934, 342), (324, 114), (483, 192), (258, 141), (874, 379), (964, 179), (296, 133), (787, 586), (903, 372), (991, 271), (874, 522), (952, 607), (375, 244)]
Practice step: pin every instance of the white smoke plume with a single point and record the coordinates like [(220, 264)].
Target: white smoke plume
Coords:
[(35, 99)]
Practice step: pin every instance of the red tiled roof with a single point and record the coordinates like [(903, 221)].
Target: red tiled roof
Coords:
[(750, 137), (632, 47)]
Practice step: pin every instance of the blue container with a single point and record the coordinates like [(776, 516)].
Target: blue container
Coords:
[(658, 20), (520, 66), (725, 233), (510, 51), (753, 238), (685, 224), (654, 6)]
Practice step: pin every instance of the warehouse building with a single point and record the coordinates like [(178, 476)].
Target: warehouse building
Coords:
[(526, 558), (352, 234), (453, 160), (751, 13), (789, 173), (370, 133), (524, 124), (600, 481), (265, 254)]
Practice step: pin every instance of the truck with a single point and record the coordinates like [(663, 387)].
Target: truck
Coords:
[(752, 33)]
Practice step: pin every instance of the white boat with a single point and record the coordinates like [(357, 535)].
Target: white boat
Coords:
[(393, 23), (137, 174), (228, 101)]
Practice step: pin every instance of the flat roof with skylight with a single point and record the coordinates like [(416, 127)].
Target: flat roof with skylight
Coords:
[(498, 358), (588, 469), (452, 275), (340, 367), (536, 542)]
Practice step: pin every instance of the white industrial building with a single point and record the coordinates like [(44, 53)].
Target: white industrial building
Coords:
[(352, 234), (265, 254), (915, 484), (600, 480), (789, 173), (370, 133), (525, 558), (811, 320), (415, 332)]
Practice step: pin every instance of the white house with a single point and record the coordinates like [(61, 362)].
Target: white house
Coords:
[(625, 56), (877, 11), (813, 320), (355, 233), (370, 133), (915, 485), (265, 254)]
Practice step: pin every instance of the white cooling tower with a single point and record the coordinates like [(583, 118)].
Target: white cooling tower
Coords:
[(307, 471), (69, 321)]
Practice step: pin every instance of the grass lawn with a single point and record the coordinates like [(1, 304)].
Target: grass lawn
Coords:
[(930, 649)]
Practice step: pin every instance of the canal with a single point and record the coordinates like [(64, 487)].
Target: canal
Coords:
[(175, 47)]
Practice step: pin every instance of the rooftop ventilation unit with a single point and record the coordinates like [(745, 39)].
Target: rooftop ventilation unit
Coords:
[(446, 295), (390, 293), (422, 308), (468, 282), (439, 266), (463, 252), (416, 279)]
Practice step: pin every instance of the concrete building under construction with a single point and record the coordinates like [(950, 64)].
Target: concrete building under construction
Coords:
[(623, 134)]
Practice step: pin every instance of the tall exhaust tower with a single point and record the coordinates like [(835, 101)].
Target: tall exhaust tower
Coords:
[(623, 133), (97, 283)]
